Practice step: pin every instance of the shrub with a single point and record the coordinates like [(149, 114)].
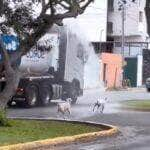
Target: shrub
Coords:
[(3, 120)]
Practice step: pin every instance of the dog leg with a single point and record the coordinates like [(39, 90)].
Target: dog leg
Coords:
[(102, 109), (69, 111), (94, 107), (97, 107), (58, 113), (64, 116)]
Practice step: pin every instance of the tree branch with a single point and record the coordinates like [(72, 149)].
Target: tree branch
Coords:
[(84, 7), (45, 21)]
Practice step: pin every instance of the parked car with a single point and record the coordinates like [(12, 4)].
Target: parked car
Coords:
[(148, 84)]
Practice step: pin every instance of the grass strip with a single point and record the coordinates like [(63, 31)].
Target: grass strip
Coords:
[(137, 104), (22, 131)]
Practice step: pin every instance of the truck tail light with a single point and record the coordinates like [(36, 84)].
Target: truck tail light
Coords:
[(20, 91)]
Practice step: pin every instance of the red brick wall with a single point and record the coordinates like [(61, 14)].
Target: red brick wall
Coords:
[(113, 75)]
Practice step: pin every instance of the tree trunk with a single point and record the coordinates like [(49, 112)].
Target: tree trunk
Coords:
[(12, 81), (12, 77)]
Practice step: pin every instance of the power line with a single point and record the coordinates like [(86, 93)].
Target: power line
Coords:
[(98, 8), (93, 14)]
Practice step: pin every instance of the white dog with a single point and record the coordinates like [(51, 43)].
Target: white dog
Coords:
[(64, 107), (100, 104)]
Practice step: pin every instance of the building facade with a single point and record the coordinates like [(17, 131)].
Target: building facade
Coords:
[(135, 21), (135, 36)]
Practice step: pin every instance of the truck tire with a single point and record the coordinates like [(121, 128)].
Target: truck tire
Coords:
[(31, 96), (46, 95), (74, 94), (75, 90), (148, 89), (9, 104)]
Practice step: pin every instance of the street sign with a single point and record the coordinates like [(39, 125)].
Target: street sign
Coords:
[(10, 42), (1, 58)]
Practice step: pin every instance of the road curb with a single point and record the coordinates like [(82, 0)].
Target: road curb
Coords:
[(109, 131), (127, 89)]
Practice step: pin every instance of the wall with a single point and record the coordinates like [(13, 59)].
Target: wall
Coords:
[(113, 69)]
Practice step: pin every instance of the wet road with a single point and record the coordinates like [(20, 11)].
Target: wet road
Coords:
[(84, 105), (135, 133), (134, 126)]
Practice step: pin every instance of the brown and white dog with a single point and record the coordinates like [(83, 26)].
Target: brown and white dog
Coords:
[(64, 107)]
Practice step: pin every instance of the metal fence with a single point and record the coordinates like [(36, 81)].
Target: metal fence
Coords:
[(130, 48)]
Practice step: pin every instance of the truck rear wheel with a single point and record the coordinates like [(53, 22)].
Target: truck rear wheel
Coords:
[(31, 96), (75, 91), (46, 95), (9, 104), (74, 96), (148, 89)]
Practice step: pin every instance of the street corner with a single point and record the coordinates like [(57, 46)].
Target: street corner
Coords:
[(108, 130)]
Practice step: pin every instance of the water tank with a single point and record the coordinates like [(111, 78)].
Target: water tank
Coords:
[(42, 56)]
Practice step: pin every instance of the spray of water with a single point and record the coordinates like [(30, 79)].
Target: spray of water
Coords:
[(92, 70), (92, 65)]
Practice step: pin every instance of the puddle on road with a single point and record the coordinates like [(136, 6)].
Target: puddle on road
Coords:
[(81, 110)]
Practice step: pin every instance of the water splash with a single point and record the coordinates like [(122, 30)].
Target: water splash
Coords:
[(92, 70), (92, 66)]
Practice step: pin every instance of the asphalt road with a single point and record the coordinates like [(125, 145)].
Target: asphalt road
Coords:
[(134, 126)]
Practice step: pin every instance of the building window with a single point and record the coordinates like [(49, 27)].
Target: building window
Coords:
[(140, 16), (110, 5), (110, 27)]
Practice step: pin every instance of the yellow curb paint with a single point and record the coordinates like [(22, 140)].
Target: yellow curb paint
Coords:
[(60, 140)]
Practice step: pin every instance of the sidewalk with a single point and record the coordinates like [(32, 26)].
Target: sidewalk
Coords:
[(103, 88), (128, 89), (134, 89)]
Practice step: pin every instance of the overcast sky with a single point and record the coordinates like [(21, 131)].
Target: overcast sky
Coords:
[(93, 22)]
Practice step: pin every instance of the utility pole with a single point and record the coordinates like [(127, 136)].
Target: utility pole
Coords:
[(122, 7), (123, 29), (100, 40)]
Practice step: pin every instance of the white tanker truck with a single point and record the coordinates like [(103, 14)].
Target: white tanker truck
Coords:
[(55, 69)]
